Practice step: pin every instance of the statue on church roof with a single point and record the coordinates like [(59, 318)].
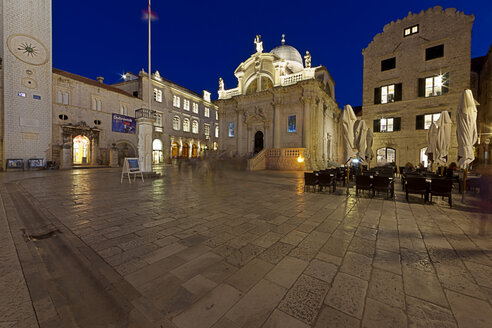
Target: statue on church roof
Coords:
[(307, 59), (259, 44), (221, 84)]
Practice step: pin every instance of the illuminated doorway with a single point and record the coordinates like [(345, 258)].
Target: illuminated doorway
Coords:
[(174, 150), (186, 151), (386, 155), (157, 156), (194, 151), (423, 157), (80, 150)]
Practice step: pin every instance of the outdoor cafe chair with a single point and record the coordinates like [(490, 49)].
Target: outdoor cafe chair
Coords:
[(442, 187), (415, 185), (385, 184), (310, 180), (341, 176), (363, 182), (327, 180)]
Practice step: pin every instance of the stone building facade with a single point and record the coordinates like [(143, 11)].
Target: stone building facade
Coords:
[(281, 112), (25, 80), (186, 124), (416, 68)]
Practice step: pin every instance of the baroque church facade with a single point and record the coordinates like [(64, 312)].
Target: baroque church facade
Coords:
[(282, 114)]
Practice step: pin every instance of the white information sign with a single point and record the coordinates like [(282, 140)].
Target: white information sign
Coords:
[(131, 166)]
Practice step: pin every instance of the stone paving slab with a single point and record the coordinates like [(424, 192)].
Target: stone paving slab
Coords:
[(251, 249)]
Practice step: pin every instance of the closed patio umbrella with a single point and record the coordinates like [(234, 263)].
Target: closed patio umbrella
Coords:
[(360, 138), (466, 128), (432, 143), (444, 125), (369, 139), (348, 121)]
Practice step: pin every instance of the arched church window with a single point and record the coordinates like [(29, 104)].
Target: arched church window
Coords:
[(176, 123), (195, 127), (186, 125)]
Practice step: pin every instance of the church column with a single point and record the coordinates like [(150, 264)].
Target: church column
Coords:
[(239, 131), (306, 128), (276, 125)]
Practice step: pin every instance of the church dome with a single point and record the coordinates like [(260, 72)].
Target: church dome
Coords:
[(291, 56)]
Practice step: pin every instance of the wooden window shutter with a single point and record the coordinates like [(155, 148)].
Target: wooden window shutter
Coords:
[(419, 122), (445, 85), (376, 127), (397, 124), (421, 87), (377, 96), (398, 92)]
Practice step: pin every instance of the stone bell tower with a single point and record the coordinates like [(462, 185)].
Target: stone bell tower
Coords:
[(25, 80)]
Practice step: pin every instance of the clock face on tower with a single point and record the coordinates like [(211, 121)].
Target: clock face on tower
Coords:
[(28, 49)]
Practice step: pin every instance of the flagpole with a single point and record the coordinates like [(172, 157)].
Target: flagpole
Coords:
[(150, 72)]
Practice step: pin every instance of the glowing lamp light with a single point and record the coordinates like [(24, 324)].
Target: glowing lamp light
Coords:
[(355, 160), (300, 159)]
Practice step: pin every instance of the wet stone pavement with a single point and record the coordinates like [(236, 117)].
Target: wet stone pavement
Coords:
[(237, 249)]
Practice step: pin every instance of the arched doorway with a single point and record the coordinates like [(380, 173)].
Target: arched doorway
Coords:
[(186, 150), (194, 151), (157, 156), (81, 149), (385, 155), (125, 150), (174, 150), (258, 141), (423, 156)]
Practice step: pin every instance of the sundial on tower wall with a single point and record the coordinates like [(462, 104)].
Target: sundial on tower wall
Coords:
[(28, 49)]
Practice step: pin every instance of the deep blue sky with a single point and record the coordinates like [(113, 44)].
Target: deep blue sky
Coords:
[(194, 43)]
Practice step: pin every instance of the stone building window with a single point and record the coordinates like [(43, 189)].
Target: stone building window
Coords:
[(186, 125), (158, 122), (389, 124), (186, 104), (388, 64), (176, 123), (216, 115), (217, 131), (195, 108), (158, 95), (96, 104), (424, 122), (434, 52), (231, 129), (433, 86), (62, 97), (176, 101), (124, 109), (194, 127), (386, 155), (388, 94), (291, 124), (206, 128), (411, 30), (63, 117), (207, 112)]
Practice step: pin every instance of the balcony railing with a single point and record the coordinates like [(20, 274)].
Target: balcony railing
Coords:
[(145, 113)]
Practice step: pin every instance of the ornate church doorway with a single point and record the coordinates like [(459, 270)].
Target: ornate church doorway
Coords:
[(174, 150), (258, 141), (157, 156), (81, 147), (186, 150), (194, 151)]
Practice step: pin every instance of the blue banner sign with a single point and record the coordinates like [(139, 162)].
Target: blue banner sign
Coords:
[(133, 164), (124, 124)]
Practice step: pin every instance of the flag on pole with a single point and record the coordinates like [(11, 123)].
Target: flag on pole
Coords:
[(153, 15)]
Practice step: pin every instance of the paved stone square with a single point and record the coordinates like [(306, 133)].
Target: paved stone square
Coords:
[(235, 249)]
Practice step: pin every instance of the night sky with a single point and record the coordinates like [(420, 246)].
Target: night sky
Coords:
[(194, 43)]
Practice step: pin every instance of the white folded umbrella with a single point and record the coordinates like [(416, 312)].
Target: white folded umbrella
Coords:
[(348, 121), (466, 128), (432, 142), (369, 140), (360, 138), (444, 125)]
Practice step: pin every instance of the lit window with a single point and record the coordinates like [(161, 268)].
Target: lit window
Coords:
[(207, 112), (186, 125), (158, 120), (385, 155), (231, 129), (217, 131), (186, 104), (176, 101), (176, 123), (386, 125), (388, 94), (433, 86), (291, 124), (206, 128), (216, 115), (411, 30), (195, 108), (195, 127), (429, 119), (158, 95)]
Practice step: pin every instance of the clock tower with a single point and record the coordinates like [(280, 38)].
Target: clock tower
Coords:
[(25, 80)]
